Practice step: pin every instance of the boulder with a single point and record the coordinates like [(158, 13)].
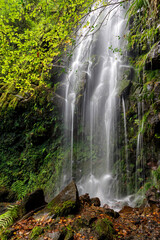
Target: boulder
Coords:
[(33, 201), (126, 209), (85, 199), (153, 196), (7, 195), (66, 202), (96, 202), (112, 213), (104, 229), (52, 235)]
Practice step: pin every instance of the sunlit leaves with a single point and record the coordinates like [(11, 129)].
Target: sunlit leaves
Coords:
[(32, 35)]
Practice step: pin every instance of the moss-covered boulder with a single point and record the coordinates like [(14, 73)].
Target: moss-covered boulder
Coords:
[(66, 202), (104, 229)]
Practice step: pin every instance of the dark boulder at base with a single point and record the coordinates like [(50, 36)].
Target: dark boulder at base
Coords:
[(126, 209), (66, 202), (33, 201), (111, 212), (85, 199), (7, 195), (95, 201)]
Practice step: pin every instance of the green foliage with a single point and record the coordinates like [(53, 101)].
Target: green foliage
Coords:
[(20, 188), (142, 15), (152, 180), (156, 177), (137, 5), (5, 234), (31, 157), (33, 35), (36, 231), (7, 219)]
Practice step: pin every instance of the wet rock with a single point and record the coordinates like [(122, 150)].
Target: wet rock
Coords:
[(153, 120), (153, 196), (106, 206), (153, 59), (95, 201), (112, 213), (88, 218), (53, 236), (7, 195), (157, 92), (126, 209), (84, 233), (85, 199), (126, 90), (33, 201), (66, 202)]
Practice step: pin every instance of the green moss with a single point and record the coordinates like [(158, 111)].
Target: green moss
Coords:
[(69, 235), (104, 229), (8, 218), (6, 235), (62, 209), (36, 231), (30, 138)]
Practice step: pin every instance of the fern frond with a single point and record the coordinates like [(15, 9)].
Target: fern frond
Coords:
[(7, 219)]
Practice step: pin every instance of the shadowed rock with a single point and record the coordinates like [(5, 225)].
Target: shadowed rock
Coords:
[(153, 59), (153, 196), (7, 195), (33, 201), (66, 202)]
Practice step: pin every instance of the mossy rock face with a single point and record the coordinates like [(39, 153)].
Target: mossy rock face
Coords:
[(66, 202), (104, 229), (153, 58)]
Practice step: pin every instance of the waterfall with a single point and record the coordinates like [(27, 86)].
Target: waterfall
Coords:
[(139, 177), (126, 141), (91, 102)]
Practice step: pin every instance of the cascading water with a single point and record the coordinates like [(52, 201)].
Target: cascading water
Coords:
[(139, 151), (126, 141), (91, 99)]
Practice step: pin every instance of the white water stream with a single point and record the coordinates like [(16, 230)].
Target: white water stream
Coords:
[(91, 102)]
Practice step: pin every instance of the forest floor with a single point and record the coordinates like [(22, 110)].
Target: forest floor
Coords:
[(130, 224)]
